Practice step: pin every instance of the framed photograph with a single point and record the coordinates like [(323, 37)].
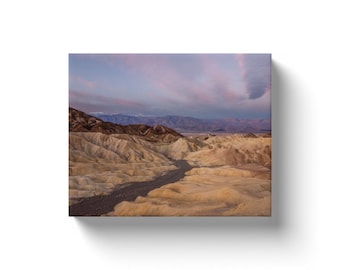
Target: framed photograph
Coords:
[(170, 135)]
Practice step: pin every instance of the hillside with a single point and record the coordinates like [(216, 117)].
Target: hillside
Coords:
[(82, 122)]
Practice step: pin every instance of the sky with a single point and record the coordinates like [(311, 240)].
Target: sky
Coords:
[(196, 85)]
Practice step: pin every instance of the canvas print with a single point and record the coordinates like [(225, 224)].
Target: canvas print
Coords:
[(170, 135)]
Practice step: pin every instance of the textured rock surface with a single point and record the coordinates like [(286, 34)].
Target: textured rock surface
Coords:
[(82, 122)]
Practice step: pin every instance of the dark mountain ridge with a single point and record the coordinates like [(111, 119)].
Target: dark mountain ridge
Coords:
[(82, 122)]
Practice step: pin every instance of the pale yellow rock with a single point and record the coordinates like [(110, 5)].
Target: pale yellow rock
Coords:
[(232, 174), (99, 162)]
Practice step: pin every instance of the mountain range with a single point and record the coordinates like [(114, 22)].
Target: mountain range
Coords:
[(191, 124), (82, 122)]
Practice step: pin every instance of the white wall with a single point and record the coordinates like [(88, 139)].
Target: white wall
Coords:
[(36, 231)]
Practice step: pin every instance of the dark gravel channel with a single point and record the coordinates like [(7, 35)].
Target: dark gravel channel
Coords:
[(99, 205)]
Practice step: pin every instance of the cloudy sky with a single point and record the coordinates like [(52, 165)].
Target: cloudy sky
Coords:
[(197, 85)]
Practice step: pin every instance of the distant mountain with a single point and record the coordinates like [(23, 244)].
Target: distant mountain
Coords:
[(190, 124), (82, 122)]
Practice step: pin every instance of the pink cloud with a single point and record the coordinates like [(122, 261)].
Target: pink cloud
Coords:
[(220, 84), (208, 86), (162, 76), (82, 82), (240, 60), (100, 103)]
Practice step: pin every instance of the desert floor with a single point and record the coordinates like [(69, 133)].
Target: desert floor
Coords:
[(229, 175)]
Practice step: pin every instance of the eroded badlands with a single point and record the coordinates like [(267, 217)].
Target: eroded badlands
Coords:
[(230, 175)]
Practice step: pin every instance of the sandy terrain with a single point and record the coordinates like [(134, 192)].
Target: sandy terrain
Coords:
[(208, 191), (231, 174), (99, 162)]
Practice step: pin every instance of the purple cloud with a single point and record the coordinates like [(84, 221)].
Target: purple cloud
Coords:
[(82, 82), (211, 85), (91, 102), (201, 82), (255, 70)]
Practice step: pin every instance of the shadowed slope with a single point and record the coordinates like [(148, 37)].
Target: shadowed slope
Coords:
[(82, 122)]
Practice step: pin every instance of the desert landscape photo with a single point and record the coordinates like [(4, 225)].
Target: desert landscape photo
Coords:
[(170, 135)]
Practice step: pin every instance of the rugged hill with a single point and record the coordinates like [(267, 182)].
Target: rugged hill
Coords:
[(231, 176), (82, 122)]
